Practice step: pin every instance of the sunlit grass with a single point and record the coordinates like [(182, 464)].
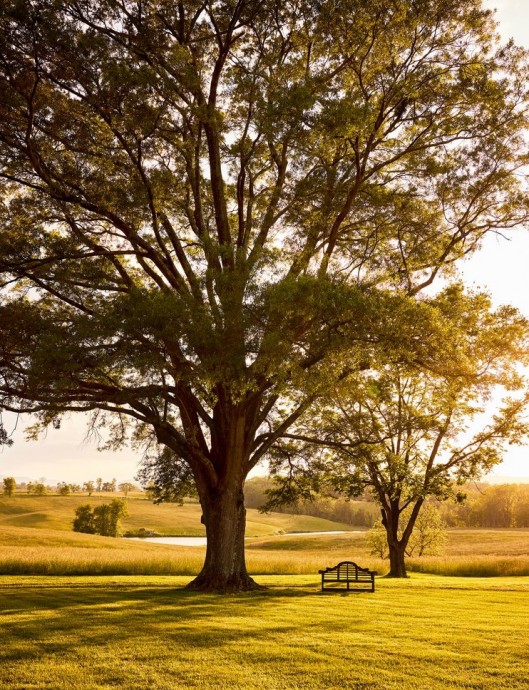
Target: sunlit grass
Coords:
[(134, 627), (29, 547), (57, 512), (427, 632), (52, 552), (472, 566), (482, 553)]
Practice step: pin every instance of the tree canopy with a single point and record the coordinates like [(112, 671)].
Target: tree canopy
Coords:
[(9, 486), (410, 433), (205, 204)]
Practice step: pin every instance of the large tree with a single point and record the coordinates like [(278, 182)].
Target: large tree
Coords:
[(205, 203), (406, 434)]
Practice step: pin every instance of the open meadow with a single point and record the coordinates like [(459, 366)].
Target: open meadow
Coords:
[(36, 538), (428, 632), (57, 512), (87, 612)]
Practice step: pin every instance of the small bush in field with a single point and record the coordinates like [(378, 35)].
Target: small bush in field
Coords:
[(84, 519), (103, 519)]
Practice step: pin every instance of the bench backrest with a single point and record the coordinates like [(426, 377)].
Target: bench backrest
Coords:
[(348, 568)]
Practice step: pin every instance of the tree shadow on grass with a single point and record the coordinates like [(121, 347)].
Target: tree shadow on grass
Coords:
[(118, 635), (124, 631), (60, 618)]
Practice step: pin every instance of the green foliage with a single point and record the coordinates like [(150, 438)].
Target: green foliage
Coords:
[(377, 540), (84, 519), (428, 537), (64, 489), (104, 519), (9, 486), (36, 488)]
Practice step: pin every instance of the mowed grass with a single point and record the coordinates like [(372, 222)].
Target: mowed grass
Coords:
[(134, 626), (427, 632)]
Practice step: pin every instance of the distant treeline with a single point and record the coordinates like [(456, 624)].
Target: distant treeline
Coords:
[(489, 505), (486, 505), (40, 488), (360, 513)]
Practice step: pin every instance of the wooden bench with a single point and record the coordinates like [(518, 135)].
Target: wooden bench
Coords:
[(348, 573)]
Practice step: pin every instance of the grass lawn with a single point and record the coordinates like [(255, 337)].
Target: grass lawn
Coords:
[(133, 626), (427, 633)]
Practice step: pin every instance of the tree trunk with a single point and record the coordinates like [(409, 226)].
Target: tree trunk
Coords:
[(397, 564), (224, 570), (397, 547)]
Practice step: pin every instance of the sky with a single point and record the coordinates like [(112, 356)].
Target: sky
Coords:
[(501, 267)]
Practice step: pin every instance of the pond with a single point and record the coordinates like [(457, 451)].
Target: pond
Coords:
[(201, 541)]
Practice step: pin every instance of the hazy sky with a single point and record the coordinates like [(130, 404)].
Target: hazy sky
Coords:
[(502, 267)]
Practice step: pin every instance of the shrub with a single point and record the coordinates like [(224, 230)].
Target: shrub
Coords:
[(84, 519), (104, 519)]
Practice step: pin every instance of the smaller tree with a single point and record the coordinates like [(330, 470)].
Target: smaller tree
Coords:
[(429, 533), (108, 487), (63, 489), (99, 484), (125, 487), (107, 517), (377, 540), (427, 539), (89, 487), (102, 520), (403, 430), (9, 486)]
